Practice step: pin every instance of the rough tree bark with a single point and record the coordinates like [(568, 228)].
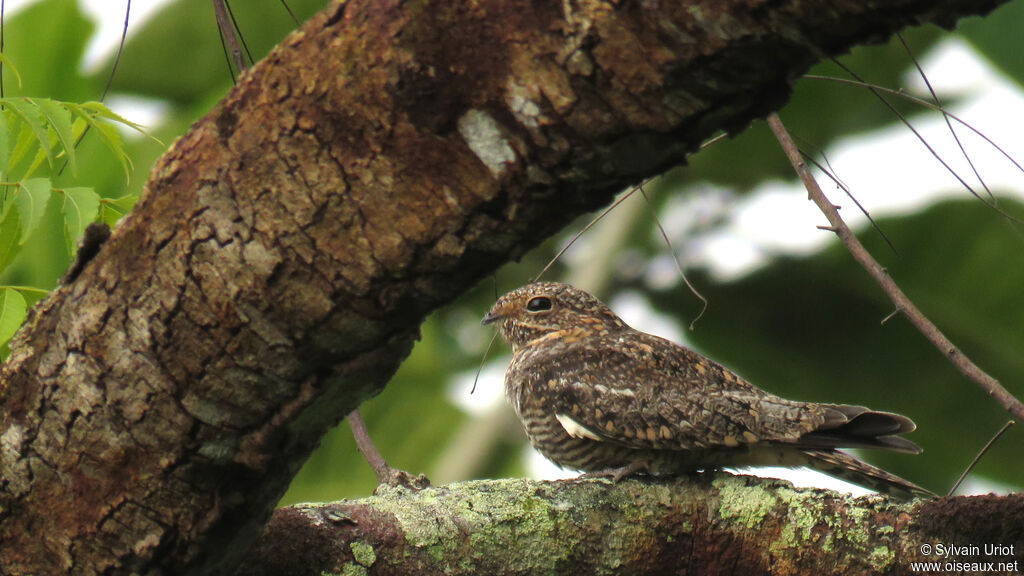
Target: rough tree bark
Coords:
[(708, 524), (376, 164)]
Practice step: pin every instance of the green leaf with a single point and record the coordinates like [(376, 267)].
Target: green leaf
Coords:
[(98, 109), (31, 198), (59, 118), (112, 138), (10, 231), (114, 209), (998, 37), (107, 133), (80, 125), (6, 61), (109, 216), (80, 208), (5, 143), (36, 163), (12, 313), (29, 113), (48, 39), (25, 142), (124, 204)]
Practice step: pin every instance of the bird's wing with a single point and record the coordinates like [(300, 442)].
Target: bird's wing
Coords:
[(645, 392)]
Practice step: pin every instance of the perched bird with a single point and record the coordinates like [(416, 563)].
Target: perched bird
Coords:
[(601, 397)]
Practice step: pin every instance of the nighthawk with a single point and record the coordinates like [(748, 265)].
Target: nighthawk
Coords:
[(598, 396)]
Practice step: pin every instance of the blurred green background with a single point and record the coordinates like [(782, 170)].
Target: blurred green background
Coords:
[(803, 322)]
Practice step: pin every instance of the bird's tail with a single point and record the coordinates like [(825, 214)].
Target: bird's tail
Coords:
[(846, 467)]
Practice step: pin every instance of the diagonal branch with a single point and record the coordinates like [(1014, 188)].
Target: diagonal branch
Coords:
[(903, 304)]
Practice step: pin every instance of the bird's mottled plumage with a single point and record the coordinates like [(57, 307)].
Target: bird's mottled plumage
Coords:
[(596, 395)]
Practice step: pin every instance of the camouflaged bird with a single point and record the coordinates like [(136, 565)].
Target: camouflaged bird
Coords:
[(601, 397)]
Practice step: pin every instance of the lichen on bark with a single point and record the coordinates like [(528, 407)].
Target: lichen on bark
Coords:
[(705, 524)]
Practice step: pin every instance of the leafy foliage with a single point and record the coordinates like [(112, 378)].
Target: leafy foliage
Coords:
[(42, 129), (39, 139), (12, 312)]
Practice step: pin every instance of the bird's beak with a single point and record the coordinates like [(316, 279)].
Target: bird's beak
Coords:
[(497, 312)]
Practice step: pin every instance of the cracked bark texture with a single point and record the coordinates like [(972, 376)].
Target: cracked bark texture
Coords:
[(285, 250), (707, 524)]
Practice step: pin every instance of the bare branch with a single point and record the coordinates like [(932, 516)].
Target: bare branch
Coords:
[(977, 458), (861, 255), (227, 31)]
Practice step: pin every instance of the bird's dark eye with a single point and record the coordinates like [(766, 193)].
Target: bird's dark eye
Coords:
[(539, 304)]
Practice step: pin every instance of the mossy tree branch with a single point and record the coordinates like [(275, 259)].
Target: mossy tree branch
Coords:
[(284, 252), (707, 524)]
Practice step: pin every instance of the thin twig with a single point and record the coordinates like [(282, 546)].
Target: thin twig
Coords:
[(589, 225), (977, 458), (861, 255), (919, 102), (385, 473), (487, 350), (241, 38), (715, 140), (483, 360), (891, 315), (902, 118), (110, 79), (679, 267), (949, 124), (1, 48), (227, 56), (120, 50), (366, 447), (290, 13), (227, 32), (850, 195), (833, 175)]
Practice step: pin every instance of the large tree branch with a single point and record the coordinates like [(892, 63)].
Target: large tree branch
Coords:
[(285, 250), (709, 524)]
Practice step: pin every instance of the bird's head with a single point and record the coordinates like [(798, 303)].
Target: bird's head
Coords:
[(537, 310)]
